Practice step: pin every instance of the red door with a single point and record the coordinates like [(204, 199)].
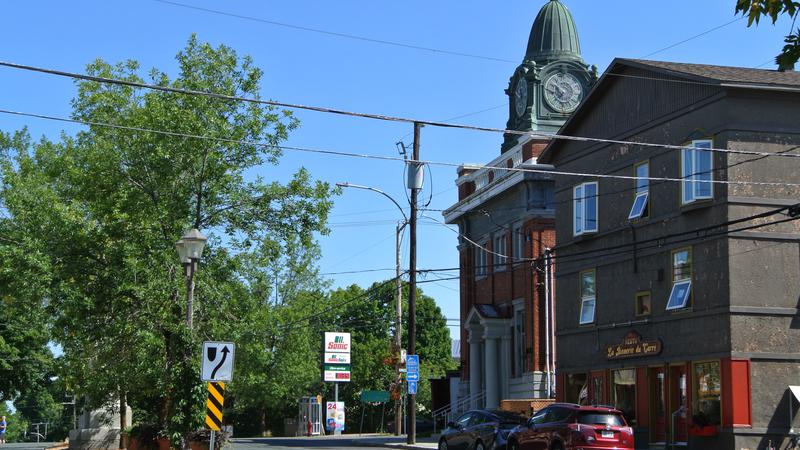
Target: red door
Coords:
[(658, 404), (679, 402)]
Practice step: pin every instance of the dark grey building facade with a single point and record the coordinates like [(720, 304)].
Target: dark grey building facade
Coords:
[(678, 268)]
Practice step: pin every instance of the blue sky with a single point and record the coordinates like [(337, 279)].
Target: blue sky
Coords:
[(320, 69)]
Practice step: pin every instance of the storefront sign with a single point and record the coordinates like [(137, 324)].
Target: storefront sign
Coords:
[(337, 343), (336, 361), (334, 417), (337, 358), (633, 345)]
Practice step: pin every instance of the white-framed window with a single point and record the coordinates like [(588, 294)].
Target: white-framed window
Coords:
[(480, 261), (640, 208), (681, 292), (584, 208), (518, 243), (696, 170), (588, 298), (482, 180), (519, 341), (499, 256)]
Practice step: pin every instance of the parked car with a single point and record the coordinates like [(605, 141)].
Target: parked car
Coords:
[(480, 430), (565, 426)]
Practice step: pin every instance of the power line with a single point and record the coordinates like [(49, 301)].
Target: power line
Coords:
[(370, 115), (399, 159), (618, 191), (337, 34), (659, 241), (693, 37)]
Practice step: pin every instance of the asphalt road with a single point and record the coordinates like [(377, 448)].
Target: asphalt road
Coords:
[(302, 442)]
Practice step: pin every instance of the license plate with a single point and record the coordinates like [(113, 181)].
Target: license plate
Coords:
[(607, 434)]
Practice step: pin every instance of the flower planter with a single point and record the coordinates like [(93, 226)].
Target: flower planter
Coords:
[(163, 443), (198, 445), (131, 443), (705, 431)]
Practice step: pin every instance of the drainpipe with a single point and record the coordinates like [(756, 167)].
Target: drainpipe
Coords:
[(553, 349), (547, 318)]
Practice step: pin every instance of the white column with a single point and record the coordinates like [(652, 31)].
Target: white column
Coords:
[(492, 385), (474, 366), (505, 366)]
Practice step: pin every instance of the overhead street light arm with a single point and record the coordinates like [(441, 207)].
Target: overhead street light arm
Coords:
[(358, 186)]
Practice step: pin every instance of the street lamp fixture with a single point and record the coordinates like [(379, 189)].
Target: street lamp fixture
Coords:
[(190, 249)]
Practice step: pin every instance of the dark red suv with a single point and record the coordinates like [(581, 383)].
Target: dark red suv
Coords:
[(565, 426)]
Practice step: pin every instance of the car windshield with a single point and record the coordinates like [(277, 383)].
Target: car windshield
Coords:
[(601, 418)]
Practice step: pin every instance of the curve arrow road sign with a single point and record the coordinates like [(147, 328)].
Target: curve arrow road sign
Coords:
[(218, 361)]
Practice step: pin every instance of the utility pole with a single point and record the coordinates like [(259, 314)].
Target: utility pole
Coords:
[(415, 174)]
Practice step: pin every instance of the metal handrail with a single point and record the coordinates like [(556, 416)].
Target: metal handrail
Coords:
[(448, 411)]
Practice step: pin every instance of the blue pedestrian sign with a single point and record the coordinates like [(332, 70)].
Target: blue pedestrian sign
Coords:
[(412, 387), (412, 367)]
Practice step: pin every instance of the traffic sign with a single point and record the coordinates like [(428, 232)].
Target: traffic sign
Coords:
[(216, 399), (412, 366), (218, 361), (412, 387)]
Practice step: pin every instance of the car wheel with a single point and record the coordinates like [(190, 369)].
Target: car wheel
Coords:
[(479, 446), (443, 444)]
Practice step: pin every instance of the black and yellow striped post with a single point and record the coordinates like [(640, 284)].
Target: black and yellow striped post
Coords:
[(216, 399)]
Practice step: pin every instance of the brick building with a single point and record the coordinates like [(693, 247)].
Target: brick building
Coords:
[(506, 221)]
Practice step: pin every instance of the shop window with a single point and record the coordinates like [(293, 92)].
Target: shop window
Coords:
[(696, 171), (585, 208), (587, 297), (577, 389), (643, 304), (623, 393), (640, 206), (681, 279), (480, 261), (499, 253), (597, 396), (707, 391)]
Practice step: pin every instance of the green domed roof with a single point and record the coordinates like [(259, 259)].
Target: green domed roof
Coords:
[(553, 35)]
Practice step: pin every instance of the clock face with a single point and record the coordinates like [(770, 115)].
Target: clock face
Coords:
[(521, 96), (563, 92)]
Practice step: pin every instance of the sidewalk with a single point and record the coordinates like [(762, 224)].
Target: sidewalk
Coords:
[(392, 441)]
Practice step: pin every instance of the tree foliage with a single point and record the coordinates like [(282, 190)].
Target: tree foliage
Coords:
[(93, 219), (754, 10)]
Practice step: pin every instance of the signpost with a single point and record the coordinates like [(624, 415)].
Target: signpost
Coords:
[(412, 374), (412, 366), (336, 368), (217, 368), (218, 361)]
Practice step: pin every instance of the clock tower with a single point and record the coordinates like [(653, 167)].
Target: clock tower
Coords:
[(552, 79)]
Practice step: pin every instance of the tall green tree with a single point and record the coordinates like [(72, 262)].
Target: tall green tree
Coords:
[(103, 209), (754, 10), (369, 315)]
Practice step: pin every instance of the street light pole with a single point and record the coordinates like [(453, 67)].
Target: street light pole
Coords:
[(190, 248), (398, 296)]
